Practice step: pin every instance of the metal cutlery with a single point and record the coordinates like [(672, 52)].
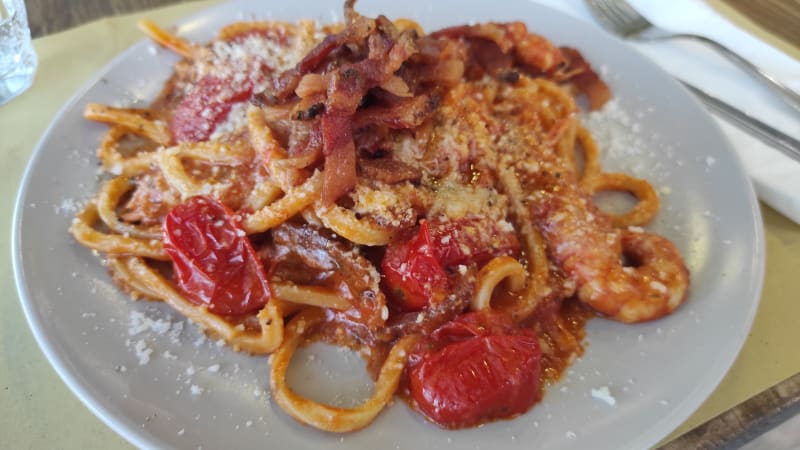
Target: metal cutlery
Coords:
[(620, 18), (776, 138)]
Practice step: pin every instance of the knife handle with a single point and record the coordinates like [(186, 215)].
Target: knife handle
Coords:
[(776, 138)]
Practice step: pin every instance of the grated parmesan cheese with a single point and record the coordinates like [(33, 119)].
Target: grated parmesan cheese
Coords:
[(604, 394), (196, 390), (143, 352)]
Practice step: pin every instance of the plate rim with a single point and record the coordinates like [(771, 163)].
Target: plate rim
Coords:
[(146, 439), (32, 317)]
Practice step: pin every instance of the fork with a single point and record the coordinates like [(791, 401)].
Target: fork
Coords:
[(620, 18)]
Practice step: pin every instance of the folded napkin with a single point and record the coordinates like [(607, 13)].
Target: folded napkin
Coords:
[(776, 177)]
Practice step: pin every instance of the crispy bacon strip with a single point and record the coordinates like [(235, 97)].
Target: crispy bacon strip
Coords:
[(357, 29), (287, 82), (348, 84), (405, 114), (512, 38), (334, 80), (340, 157), (388, 170), (577, 71), (387, 50)]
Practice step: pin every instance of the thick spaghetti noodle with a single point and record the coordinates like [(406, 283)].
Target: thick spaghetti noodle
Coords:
[(425, 199)]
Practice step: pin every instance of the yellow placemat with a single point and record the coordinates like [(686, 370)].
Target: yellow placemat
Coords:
[(770, 353), (39, 410)]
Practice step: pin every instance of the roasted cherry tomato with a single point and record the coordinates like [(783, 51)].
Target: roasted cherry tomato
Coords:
[(213, 261), (473, 239), (414, 270), (412, 275), (201, 110), (475, 369), (466, 326)]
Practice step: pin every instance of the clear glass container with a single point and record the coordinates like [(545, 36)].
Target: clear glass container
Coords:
[(17, 58)]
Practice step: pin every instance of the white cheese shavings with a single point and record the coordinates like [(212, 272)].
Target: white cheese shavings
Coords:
[(196, 390), (604, 394), (138, 322), (143, 352)]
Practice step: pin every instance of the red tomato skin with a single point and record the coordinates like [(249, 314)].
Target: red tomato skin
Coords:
[(213, 261), (201, 110), (474, 324), (412, 275), (471, 239), (470, 380)]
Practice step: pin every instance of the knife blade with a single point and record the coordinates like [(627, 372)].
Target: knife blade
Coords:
[(766, 133)]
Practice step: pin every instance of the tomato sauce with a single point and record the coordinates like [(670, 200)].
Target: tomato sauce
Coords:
[(563, 333)]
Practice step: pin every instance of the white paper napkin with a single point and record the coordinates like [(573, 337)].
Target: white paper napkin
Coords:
[(776, 177)]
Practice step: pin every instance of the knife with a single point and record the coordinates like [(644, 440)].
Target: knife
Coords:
[(769, 135)]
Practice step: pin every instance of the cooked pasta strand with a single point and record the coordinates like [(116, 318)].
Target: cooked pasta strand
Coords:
[(270, 320), (491, 275), (647, 199), (345, 224), (107, 202), (115, 244), (279, 211), (324, 417), (309, 295), (166, 39), (113, 162), (139, 121)]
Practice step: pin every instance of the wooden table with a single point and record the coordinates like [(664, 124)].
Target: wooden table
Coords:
[(728, 430)]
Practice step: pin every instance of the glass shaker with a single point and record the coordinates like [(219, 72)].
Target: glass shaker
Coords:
[(17, 58)]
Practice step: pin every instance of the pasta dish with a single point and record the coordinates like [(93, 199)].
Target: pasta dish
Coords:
[(423, 198)]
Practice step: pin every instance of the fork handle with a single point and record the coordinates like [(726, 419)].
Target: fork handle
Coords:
[(785, 93)]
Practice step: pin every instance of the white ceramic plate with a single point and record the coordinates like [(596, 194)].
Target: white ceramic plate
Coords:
[(194, 393)]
